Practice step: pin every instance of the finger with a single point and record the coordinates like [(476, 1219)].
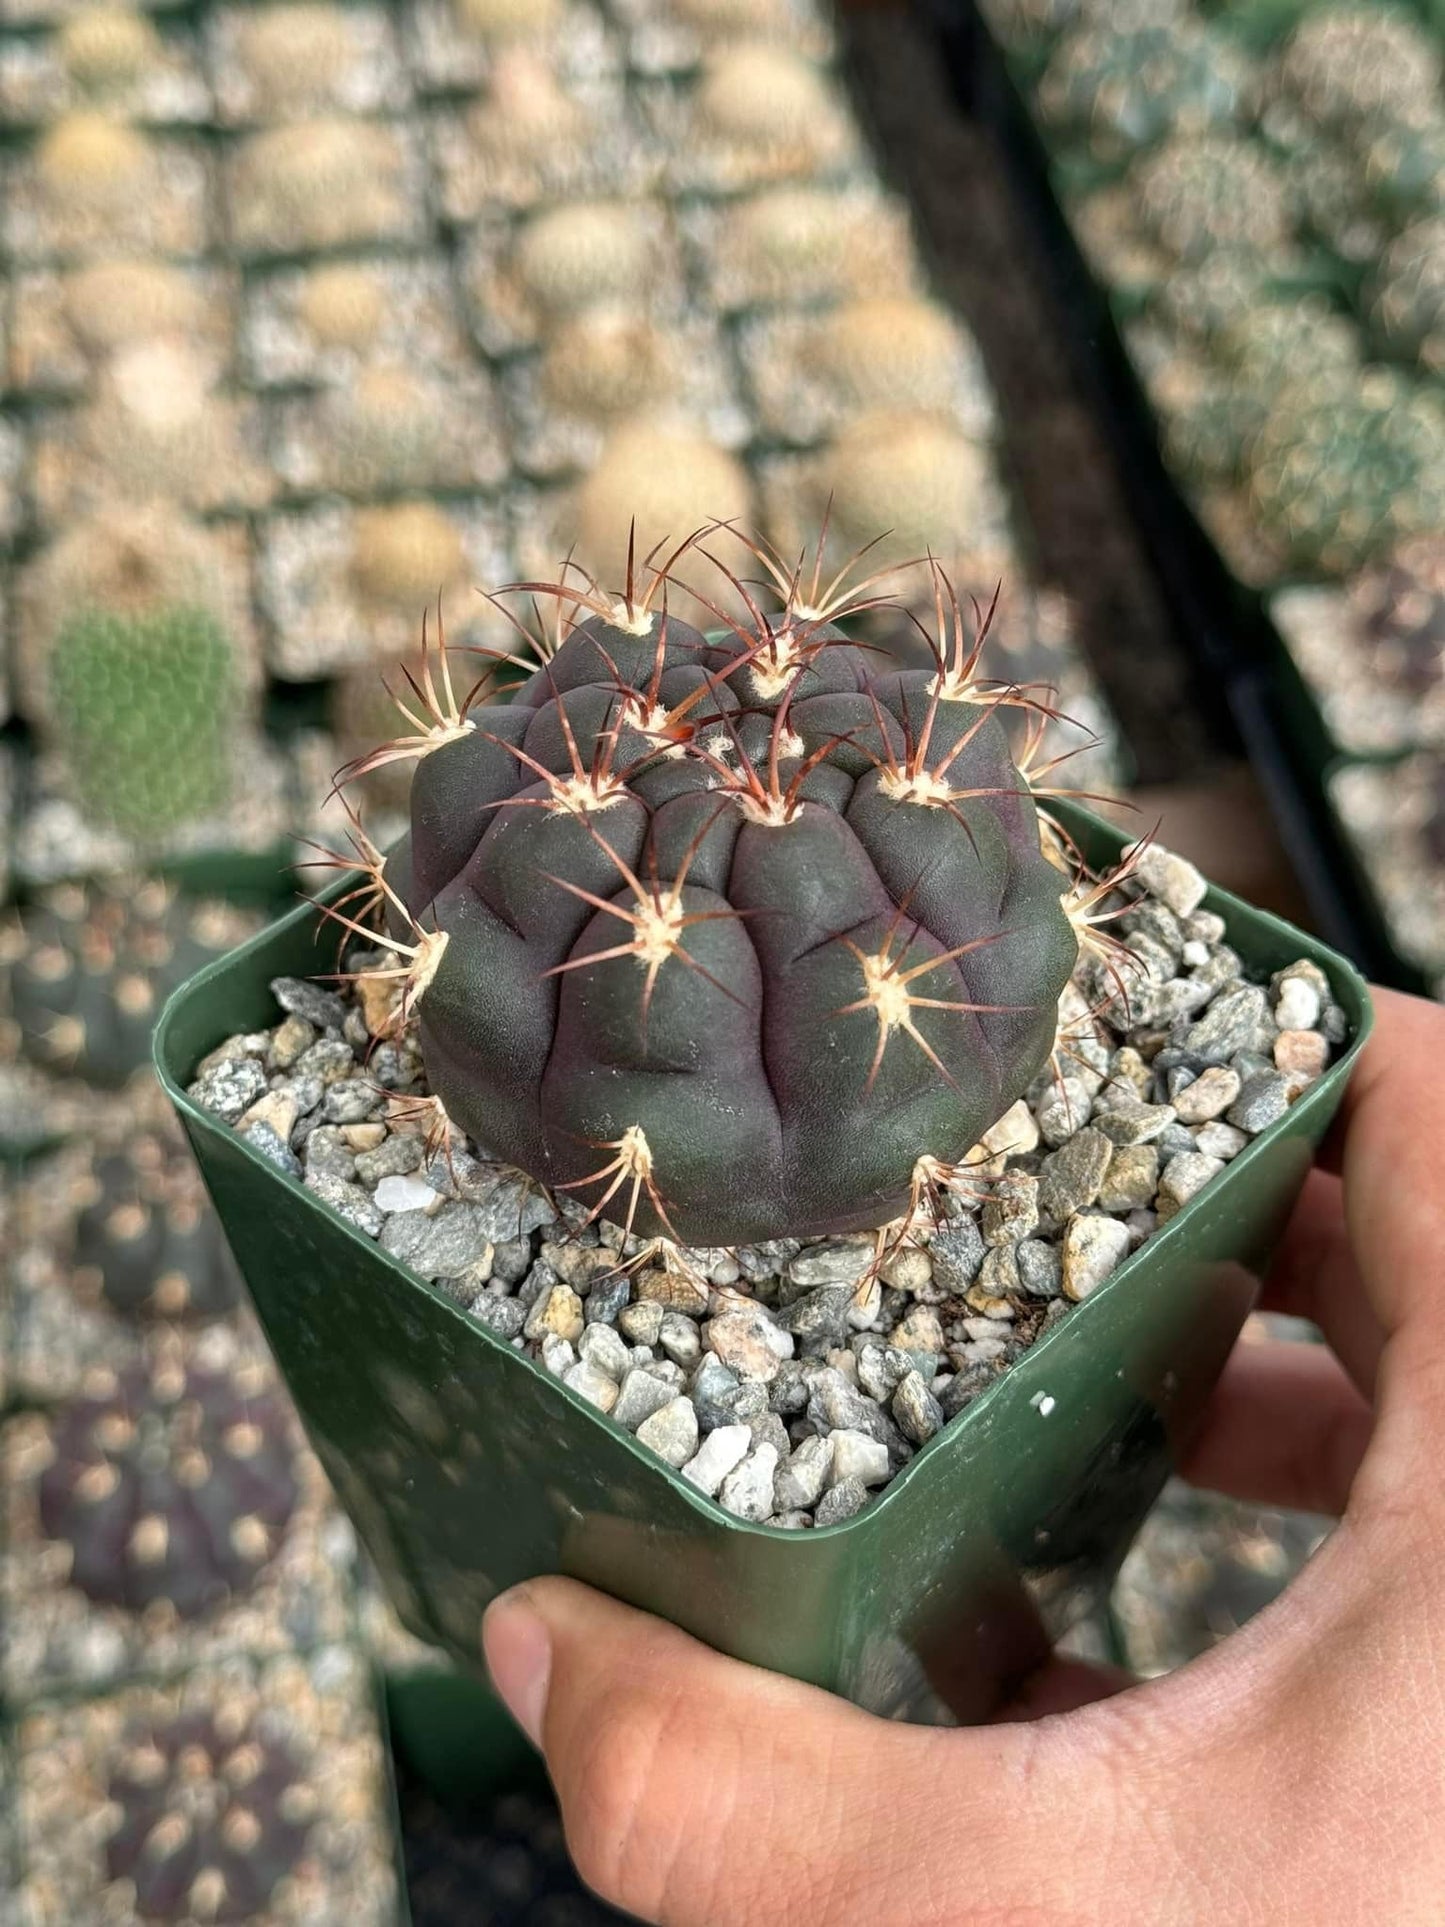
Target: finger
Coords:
[(1314, 1276), (700, 1792), (1394, 1149), (1286, 1426)]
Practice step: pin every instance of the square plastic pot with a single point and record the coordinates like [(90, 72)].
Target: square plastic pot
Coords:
[(466, 1468)]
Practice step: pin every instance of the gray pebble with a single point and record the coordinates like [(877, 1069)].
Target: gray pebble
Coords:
[(671, 1432), (558, 1356), (1231, 1023), (230, 1089), (349, 1200), (999, 1274), (1264, 1098), (641, 1324), (1072, 1175), (680, 1339), (439, 1245), (504, 1316), (1173, 879), (964, 1387), (917, 1411), (820, 1316), (514, 1208), (791, 1521), (328, 1153), (1011, 1211), (841, 1502), (607, 1298), (642, 1394), (1093, 1246), (1218, 1140), (329, 1059), (833, 1262), (1131, 1179), (601, 1346), (512, 1260), (399, 1154), (1039, 1269), (273, 1147), (712, 1383), (1130, 1122), (318, 1006), (350, 1100), (957, 1253), (1184, 1178)]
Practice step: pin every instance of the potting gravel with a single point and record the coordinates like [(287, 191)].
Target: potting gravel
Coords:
[(792, 1380)]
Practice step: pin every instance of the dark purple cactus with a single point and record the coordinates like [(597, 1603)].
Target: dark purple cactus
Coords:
[(147, 1240), (211, 1814), (730, 939), (171, 1482)]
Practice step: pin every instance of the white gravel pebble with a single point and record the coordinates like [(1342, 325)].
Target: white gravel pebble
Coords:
[(643, 1393), (748, 1492), (803, 1475), (1173, 879), (603, 1348), (719, 1454), (404, 1194), (1093, 1246), (856, 1456), (595, 1386)]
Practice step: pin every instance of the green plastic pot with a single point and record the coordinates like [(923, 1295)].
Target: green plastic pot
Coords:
[(466, 1468)]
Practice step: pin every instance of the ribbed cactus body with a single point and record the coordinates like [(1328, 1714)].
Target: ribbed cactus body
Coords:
[(143, 707), (740, 932)]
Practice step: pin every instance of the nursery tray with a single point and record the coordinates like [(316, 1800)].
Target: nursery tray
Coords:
[(467, 1468), (1225, 624)]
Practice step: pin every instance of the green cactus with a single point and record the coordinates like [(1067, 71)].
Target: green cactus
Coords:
[(1345, 65), (733, 939), (1337, 478), (1198, 193), (90, 965), (142, 707), (1110, 93), (1403, 163), (147, 1242), (170, 1482), (1201, 297), (1407, 300), (210, 1815)]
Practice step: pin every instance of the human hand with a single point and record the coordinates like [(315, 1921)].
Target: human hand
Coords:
[(1291, 1774)]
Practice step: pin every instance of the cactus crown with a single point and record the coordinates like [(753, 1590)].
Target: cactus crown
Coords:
[(726, 934), (170, 1483), (210, 1813)]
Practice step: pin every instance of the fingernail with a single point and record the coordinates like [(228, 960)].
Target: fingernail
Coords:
[(518, 1651)]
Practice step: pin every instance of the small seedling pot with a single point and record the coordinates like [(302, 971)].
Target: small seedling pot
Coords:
[(467, 1468)]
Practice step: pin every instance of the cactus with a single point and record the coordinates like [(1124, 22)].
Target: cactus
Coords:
[(584, 255), (92, 164), (318, 184), (90, 966), (115, 303), (294, 54), (734, 939), (147, 1241), (912, 474), (1114, 92), (605, 364), (1404, 164), (143, 710), (343, 306), (1337, 478), (105, 48), (1345, 65), (1407, 305), (890, 352), (170, 1482), (210, 1813), (391, 429), (1200, 192), (1206, 295), (404, 553), (508, 20), (758, 94)]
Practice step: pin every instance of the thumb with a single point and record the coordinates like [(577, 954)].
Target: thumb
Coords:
[(700, 1791)]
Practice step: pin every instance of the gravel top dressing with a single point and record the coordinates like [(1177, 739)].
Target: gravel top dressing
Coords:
[(791, 1380)]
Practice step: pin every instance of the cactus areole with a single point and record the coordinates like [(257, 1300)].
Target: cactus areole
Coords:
[(729, 939)]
